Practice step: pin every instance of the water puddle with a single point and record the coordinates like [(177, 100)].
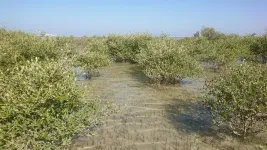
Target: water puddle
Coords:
[(82, 74), (261, 59)]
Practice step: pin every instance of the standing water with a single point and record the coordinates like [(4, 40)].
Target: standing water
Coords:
[(171, 117)]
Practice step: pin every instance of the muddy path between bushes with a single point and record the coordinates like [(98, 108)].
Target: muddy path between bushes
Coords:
[(149, 118)]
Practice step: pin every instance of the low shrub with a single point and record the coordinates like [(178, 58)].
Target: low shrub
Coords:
[(238, 98), (117, 48), (210, 33), (221, 52), (92, 54), (41, 107), (17, 47), (258, 47), (92, 60), (134, 43), (96, 44), (125, 48), (197, 47), (226, 51), (164, 61)]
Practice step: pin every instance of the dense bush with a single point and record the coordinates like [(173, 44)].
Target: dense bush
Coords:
[(238, 98), (117, 48), (17, 47), (96, 44), (197, 47), (94, 54), (92, 60), (221, 52), (197, 34), (164, 61), (259, 47), (226, 51), (210, 33), (40, 106), (125, 48)]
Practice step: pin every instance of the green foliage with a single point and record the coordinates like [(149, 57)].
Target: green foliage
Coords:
[(94, 54), (238, 98), (92, 60), (17, 47), (221, 52), (163, 61), (225, 51), (40, 106), (125, 48), (117, 48), (96, 44), (209, 33), (259, 47), (198, 48), (197, 34)]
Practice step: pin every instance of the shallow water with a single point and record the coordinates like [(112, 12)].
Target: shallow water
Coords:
[(80, 74), (170, 117)]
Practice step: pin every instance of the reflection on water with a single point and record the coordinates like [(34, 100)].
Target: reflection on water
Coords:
[(185, 82), (261, 59), (80, 73), (193, 84), (239, 60)]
